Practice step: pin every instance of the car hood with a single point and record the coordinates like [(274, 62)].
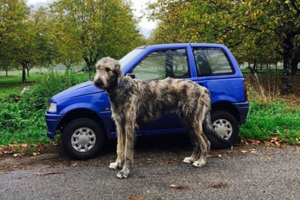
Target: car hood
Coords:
[(81, 89)]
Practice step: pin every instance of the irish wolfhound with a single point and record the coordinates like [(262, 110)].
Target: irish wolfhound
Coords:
[(134, 101)]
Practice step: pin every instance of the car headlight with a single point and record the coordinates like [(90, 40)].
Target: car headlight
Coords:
[(52, 107)]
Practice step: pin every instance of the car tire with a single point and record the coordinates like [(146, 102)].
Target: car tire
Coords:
[(226, 126), (82, 138)]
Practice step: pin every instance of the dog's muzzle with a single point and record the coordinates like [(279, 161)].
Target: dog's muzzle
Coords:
[(98, 83)]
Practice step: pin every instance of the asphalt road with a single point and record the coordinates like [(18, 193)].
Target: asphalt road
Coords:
[(247, 172)]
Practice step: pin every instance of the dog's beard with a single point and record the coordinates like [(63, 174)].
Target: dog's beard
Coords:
[(107, 85), (99, 83)]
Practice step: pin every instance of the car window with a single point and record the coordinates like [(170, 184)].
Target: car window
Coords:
[(212, 61), (161, 64), (129, 57)]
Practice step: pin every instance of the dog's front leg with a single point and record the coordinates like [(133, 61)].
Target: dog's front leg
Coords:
[(120, 147), (129, 148)]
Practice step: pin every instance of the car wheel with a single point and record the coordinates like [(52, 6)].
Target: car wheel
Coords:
[(82, 138), (226, 126)]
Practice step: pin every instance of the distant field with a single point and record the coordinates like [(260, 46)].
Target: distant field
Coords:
[(12, 84)]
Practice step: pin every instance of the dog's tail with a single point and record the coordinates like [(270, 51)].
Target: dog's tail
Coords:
[(212, 134)]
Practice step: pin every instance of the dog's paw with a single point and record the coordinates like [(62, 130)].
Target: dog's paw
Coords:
[(199, 163), (123, 174), (188, 160), (115, 165)]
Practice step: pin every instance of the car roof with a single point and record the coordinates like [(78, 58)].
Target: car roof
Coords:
[(176, 45)]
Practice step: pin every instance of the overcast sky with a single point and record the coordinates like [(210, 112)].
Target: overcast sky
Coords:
[(138, 5)]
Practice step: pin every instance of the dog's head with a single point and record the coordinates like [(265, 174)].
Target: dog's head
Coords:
[(108, 73)]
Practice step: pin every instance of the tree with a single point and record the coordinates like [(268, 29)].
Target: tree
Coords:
[(12, 15), (44, 38), (90, 29), (258, 30), (278, 20), (23, 37)]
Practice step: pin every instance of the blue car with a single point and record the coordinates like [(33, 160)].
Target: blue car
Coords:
[(82, 115)]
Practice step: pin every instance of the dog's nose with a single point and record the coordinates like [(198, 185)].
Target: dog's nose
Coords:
[(97, 83)]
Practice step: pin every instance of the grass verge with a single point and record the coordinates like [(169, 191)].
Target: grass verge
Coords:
[(273, 119)]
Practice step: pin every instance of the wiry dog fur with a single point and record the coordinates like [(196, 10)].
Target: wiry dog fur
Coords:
[(134, 101)]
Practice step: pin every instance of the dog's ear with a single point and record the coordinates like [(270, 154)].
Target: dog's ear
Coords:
[(118, 70), (117, 65)]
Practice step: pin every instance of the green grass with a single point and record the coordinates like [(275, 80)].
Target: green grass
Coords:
[(12, 84), (266, 120)]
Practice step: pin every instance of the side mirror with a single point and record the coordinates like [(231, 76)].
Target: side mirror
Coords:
[(132, 75)]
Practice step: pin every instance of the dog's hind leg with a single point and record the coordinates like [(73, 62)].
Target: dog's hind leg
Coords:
[(187, 121), (204, 146), (195, 144), (203, 141), (193, 123), (120, 147)]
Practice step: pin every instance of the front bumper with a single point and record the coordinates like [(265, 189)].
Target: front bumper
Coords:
[(243, 109), (52, 121)]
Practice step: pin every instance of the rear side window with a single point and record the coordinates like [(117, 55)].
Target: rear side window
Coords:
[(212, 61)]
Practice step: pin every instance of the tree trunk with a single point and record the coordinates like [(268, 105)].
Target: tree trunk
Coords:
[(294, 66), (288, 52), (252, 69), (287, 76), (6, 72), (27, 68), (295, 60), (23, 74), (24, 67)]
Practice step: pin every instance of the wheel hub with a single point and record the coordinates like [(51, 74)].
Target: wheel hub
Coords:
[(83, 139), (223, 128)]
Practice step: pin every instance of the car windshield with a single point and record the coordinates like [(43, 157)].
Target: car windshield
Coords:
[(129, 57)]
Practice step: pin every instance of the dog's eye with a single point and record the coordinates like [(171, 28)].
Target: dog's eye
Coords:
[(107, 69)]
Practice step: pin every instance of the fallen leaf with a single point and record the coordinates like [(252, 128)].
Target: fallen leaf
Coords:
[(40, 145), (74, 164), (135, 197), (252, 150), (11, 147), (266, 143), (219, 185), (170, 161), (179, 187), (48, 173), (244, 151), (253, 141)]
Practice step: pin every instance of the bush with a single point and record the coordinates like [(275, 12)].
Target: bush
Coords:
[(37, 97), (24, 121)]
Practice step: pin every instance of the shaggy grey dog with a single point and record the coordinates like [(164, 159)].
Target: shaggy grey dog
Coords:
[(134, 101)]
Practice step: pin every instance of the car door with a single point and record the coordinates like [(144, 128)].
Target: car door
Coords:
[(159, 65), (216, 73)]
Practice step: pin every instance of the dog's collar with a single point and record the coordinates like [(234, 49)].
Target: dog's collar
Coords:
[(120, 83)]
